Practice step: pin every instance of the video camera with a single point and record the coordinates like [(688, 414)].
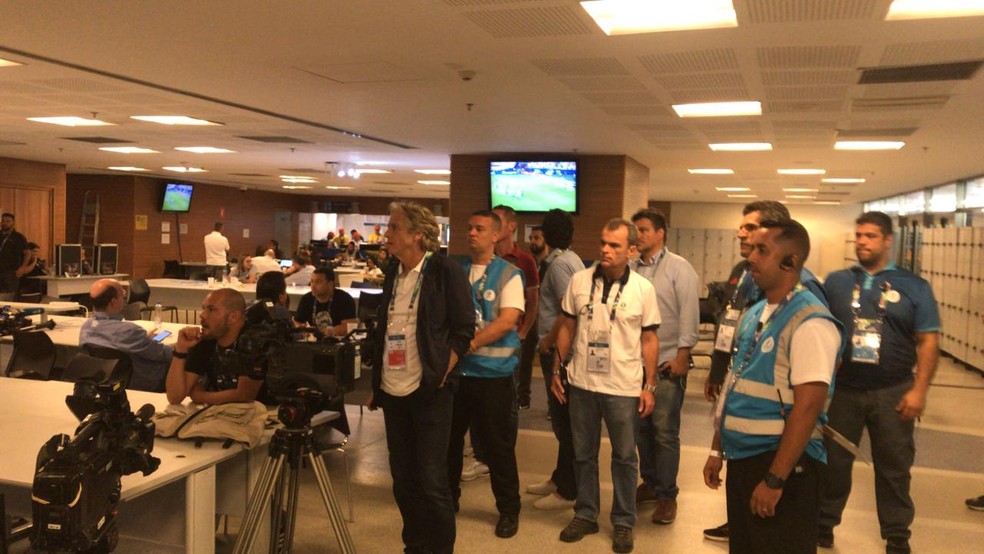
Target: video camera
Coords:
[(15, 319), (77, 480), (259, 349)]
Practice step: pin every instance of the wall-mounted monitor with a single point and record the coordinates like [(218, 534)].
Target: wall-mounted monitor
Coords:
[(533, 186), (177, 197)]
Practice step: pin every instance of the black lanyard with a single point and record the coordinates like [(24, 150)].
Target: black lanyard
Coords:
[(594, 286), (856, 298)]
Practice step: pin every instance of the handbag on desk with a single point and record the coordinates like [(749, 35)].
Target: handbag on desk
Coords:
[(242, 422)]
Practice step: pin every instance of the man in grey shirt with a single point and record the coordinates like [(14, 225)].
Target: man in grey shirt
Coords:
[(557, 268), (677, 291)]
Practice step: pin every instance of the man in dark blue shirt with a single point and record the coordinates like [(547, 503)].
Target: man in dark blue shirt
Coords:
[(892, 324)]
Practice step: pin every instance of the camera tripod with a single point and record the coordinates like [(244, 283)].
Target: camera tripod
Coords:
[(277, 480)]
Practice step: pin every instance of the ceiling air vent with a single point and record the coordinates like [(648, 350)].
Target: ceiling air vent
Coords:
[(301, 170), (99, 140), (276, 140), (909, 103), (958, 71), (391, 183), (875, 133)]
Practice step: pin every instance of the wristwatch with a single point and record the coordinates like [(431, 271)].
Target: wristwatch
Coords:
[(773, 481), (650, 388)]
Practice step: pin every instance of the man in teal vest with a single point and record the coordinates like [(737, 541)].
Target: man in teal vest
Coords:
[(486, 397), (771, 410)]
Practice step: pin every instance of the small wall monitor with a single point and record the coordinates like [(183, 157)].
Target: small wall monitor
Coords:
[(534, 186), (106, 259), (177, 197)]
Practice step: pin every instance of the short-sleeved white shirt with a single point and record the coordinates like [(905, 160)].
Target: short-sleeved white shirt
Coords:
[(513, 295), (216, 247), (637, 309), (813, 351), (403, 321)]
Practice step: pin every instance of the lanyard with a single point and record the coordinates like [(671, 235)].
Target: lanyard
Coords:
[(734, 295), (760, 330), (481, 283), (594, 286), (856, 298), (416, 287)]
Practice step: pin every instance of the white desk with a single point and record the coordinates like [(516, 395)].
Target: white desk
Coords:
[(188, 295), (65, 286), (67, 329)]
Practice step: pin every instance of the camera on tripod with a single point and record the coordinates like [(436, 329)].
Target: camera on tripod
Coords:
[(77, 480)]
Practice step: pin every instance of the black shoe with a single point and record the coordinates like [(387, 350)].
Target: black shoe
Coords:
[(622, 541), (577, 528), (719, 534), (507, 526), (897, 546), (825, 537), (975, 503)]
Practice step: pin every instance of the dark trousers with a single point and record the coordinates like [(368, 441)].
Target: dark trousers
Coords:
[(489, 406), (893, 450), (793, 530), (560, 421), (418, 427), (215, 271), (524, 371)]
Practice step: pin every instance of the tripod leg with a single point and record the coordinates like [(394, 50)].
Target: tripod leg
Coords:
[(331, 505), (258, 501), (293, 487), (276, 516)]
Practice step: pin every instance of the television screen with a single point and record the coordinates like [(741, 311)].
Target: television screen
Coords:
[(177, 197), (534, 186)]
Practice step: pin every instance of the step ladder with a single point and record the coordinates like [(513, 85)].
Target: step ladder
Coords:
[(89, 225)]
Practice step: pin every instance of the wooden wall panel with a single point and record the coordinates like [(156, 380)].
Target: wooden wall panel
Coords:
[(35, 192), (601, 185)]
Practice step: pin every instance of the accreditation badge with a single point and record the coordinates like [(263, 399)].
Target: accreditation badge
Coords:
[(726, 331), (599, 351), (396, 352), (866, 341)]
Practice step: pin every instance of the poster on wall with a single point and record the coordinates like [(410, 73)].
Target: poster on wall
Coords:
[(183, 228), (165, 226), (139, 223), (165, 238)]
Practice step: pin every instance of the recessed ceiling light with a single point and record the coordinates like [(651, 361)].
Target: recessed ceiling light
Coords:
[(742, 196), (718, 109), (294, 187), (800, 190), (433, 171), (842, 180), (371, 163), (827, 202), (184, 169), (128, 150), (801, 196), (801, 171), (373, 171), (732, 189), (626, 17), (931, 9), (70, 121), (127, 168), (868, 145), (711, 171), (740, 146), (297, 179), (8, 63), (174, 120), (332, 187), (204, 150), (434, 182)]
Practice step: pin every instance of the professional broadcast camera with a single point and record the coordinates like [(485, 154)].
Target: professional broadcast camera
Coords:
[(14, 319), (260, 345), (77, 480)]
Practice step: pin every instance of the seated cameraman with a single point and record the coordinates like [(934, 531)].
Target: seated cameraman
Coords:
[(272, 286), (107, 329), (200, 368), (326, 307)]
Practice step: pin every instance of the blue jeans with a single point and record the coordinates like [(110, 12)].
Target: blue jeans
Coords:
[(621, 417), (659, 439)]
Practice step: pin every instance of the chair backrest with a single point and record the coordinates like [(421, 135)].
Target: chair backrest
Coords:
[(198, 275), (33, 356), (369, 304), (82, 366), (172, 269), (124, 364), (139, 291), (364, 285), (132, 311)]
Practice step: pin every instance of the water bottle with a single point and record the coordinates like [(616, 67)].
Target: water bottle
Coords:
[(158, 313), (225, 274)]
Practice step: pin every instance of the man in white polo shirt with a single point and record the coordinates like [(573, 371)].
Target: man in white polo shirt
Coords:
[(216, 248), (610, 316)]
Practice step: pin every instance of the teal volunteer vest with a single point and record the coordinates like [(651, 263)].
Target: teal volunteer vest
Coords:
[(500, 358)]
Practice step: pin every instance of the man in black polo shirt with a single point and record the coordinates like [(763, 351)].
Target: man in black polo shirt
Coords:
[(15, 256), (326, 307)]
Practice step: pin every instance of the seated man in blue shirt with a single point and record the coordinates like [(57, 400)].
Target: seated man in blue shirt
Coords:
[(107, 329)]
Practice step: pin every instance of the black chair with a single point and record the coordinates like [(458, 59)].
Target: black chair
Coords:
[(133, 311), (33, 356), (198, 275), (124, 364), (83, 367), (173, 270), (140, 292), (364, 285)]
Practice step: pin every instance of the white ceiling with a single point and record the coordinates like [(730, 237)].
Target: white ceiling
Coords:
[(546, 79)]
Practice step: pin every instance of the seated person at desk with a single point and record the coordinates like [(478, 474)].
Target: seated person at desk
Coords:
[(107, 329), (29, 289), (299, 273), (200, 367), (273, 287), (326, 307), (372, 272), (262, 264)]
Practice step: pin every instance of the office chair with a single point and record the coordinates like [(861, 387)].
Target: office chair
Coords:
[(364, 285), (33, 356), (123, 370), (133, 311), (140, 292), (83, 367)]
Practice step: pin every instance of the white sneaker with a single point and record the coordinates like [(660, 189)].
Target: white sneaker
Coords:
[(553, 502), (545, 487), (476, 470)]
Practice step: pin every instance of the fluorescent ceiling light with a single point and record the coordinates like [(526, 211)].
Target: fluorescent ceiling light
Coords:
[(842, 180), (70, 121), (718, 109), (8, 63), (827, 202), (128, 150), (294, 187), (433, 171), (173, 120), (800, 190), (742, 196), (740, 146), (626, 17), (204, 150), (373, 171), (801, 196), (127, 168), (733, 189), (184, 169), (371, 163), (711, 171), (293, 179), (868, 145), (932, 9), (801, 171), (337, 188), (434, 182)]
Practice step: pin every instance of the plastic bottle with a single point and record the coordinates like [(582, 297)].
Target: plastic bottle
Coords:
[(158, 315), (225, 275)]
